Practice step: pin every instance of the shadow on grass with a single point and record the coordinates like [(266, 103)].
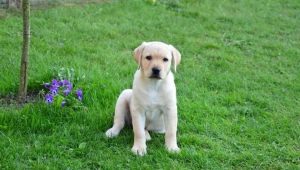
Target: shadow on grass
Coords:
[(9, 98)]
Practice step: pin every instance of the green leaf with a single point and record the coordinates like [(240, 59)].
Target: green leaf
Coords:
[(58, 100), (82, 145)]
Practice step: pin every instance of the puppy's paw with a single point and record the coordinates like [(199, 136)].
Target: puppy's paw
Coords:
[(140, 150), (110, 133), (173, 149)]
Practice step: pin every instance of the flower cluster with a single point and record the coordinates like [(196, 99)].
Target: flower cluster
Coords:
[(62, 90)]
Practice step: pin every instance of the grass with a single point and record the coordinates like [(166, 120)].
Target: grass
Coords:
[(238, 84)]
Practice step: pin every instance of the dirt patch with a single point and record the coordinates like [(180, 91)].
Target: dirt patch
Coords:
[(11, 99)]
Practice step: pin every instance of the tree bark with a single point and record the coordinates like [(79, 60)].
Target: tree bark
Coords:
[(25, 52)]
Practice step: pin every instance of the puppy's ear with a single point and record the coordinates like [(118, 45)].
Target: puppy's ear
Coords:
[(176, 56), (137, 53)]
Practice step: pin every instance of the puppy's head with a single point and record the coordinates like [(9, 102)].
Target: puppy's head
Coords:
[(155, 59)]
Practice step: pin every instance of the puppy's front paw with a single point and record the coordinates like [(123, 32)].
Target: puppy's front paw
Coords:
[(140, 150), (110, 133), (173, 149)]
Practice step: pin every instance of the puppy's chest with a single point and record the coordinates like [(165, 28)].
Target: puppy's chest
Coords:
[(154, 105), (153, 100)]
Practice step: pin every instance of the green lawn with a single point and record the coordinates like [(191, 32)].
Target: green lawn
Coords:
[(238, 84)]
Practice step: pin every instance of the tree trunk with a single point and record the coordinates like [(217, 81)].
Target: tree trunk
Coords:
[(25, 52)]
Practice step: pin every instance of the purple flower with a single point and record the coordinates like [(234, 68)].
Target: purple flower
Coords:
[(67, 91), (61, 83), (79, 94), (61, 87), (65, 82), (63, 103), (53, 90), (69, 86), (47, 85), (48, 98), (55, 83)]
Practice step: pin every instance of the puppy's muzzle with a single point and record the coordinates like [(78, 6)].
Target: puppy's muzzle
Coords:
[(155, 73)]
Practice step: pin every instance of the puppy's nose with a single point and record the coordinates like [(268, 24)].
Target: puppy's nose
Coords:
[(155, 71)]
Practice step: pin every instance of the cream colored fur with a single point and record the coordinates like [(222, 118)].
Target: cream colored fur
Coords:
[(151, 104)]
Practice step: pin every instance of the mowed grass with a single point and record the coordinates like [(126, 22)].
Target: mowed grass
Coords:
[(238, 84)]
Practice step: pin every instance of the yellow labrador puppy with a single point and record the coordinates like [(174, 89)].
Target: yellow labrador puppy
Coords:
[(151, 103)]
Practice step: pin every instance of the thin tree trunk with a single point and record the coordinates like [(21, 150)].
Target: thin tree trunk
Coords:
[(25, 52)]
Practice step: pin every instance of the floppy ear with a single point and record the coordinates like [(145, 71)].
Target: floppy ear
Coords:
[(137, 53), (176, 56)]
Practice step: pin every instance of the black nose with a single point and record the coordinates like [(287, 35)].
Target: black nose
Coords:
[(155, 71)]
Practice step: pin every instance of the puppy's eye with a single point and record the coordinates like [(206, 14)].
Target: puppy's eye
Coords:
[(149, 57), (166, 60)]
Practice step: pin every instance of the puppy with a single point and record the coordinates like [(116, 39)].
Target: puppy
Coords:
[(151, 104)]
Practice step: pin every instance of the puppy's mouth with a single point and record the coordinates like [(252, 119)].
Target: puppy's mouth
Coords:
[(155, 77)]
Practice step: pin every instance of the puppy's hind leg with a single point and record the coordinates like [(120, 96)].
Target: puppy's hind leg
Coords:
[(122, 112), (148, 137)]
